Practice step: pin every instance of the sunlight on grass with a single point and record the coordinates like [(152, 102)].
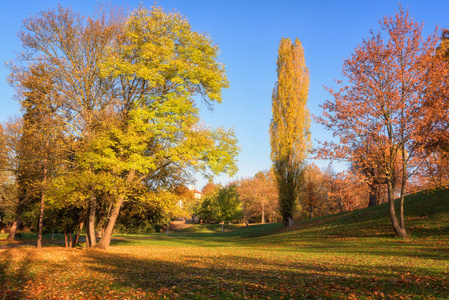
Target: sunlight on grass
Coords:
[(346, 256)]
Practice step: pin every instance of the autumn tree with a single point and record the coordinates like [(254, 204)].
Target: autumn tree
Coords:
[(208, 188), (125, 90), (436, 169), (258, 196), (159, 64), (266, 195), (246, 188), (71, 46), (289, 129), (364, 167), (313, 191), (42, 139), (390, 105), (345, 191), (10, 204), (436, 165)]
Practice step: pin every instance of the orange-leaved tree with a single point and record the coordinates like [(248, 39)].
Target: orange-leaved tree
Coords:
[(389, 103), (258, 196)]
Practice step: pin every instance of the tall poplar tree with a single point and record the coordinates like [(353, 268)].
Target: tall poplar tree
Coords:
[(289, 129)]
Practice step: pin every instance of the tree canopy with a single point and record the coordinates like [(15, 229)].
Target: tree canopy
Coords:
[(122, 96), (289, 129), (391, 104)]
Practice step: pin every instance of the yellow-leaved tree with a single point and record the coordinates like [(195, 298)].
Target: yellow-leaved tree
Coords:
[(289, 129)]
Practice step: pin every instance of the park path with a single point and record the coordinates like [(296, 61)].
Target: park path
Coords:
[(179, 226)]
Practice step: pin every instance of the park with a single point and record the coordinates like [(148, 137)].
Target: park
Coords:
[(110, 133)]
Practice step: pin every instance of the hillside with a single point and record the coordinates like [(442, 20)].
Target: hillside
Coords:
[(426, 220), (426, 216)]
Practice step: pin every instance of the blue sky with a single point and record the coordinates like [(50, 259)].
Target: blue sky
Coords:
[(248, 35)]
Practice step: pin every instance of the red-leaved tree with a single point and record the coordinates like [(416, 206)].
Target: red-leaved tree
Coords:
[(392, 102)]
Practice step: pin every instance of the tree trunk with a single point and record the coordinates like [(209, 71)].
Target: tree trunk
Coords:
[(372, 195), (81, 220), (65, 237), (91, 221), (87, 240), (41, 222), (77, 235), (41, 213), (14, 228), (263, 213), (394, 221), (403, 182), (106, 238)]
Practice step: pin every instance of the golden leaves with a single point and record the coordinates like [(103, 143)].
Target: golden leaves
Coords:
[(289, 128)]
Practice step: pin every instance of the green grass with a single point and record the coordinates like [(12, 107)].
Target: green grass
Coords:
[(346, 256)]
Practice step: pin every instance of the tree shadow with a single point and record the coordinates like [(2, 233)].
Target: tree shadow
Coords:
[(220, 275), (14, 275)]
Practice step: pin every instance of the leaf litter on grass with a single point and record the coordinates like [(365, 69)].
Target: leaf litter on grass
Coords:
[(292, 264)]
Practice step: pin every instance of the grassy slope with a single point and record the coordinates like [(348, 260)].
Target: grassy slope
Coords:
[(350, 256)]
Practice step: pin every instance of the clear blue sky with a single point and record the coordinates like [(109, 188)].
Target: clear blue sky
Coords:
[(248, 35)]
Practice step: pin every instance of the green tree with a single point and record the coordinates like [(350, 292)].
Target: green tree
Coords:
[(227, 206), (289, 129)]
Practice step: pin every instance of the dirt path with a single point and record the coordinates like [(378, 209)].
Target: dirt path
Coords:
[(179, 226)]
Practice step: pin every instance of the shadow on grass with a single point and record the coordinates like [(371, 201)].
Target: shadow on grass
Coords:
[(380, 245), (13, 276), (201, 276), (316, 268)]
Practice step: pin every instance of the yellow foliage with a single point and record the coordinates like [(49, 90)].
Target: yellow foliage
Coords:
[(289, 130)]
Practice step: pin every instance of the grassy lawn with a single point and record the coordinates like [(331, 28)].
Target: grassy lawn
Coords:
[(345, 256)]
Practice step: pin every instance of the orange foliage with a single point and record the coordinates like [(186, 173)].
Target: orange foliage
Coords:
[(393, 104), (259, 197)]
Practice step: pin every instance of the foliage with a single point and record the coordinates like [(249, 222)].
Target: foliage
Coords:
[(164, 64), (313, 192), (259, 197), (345, 192), (289, 129), (227, 204), (208, 188), (222, 204), (391, 104), (10, 133), (119, 92), (206, 208)]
